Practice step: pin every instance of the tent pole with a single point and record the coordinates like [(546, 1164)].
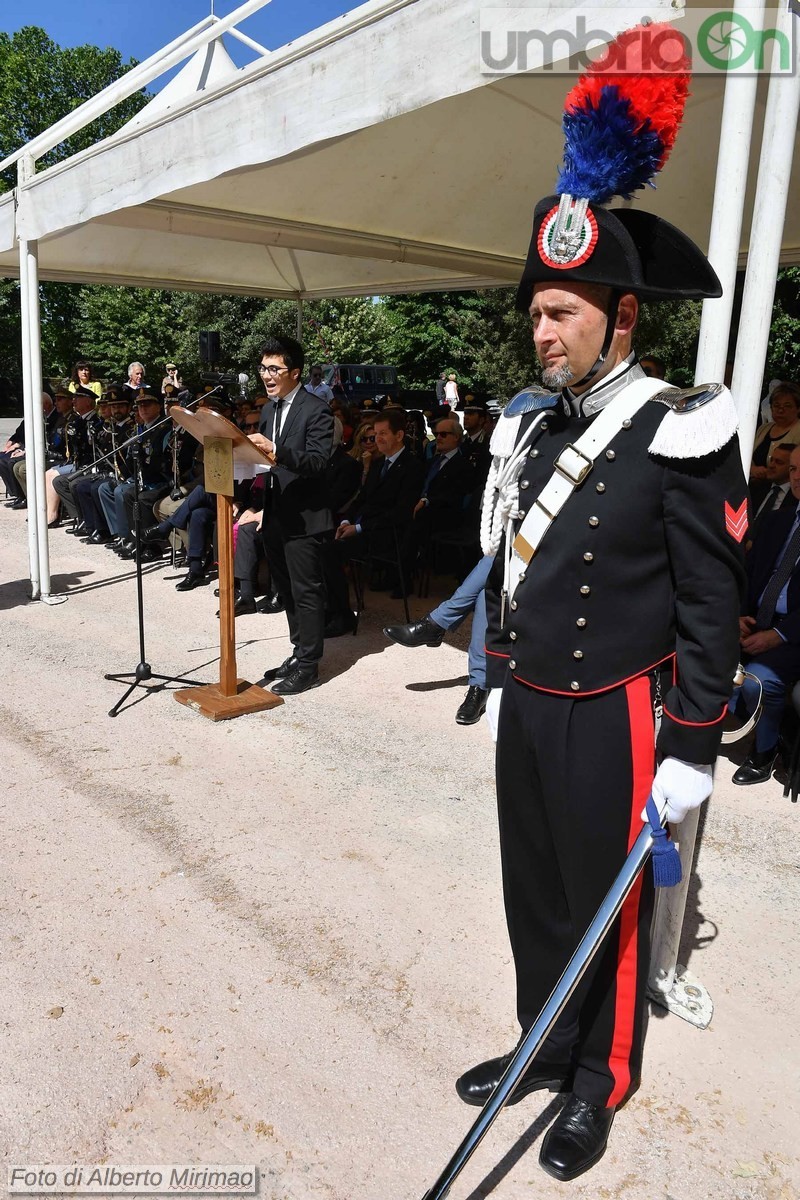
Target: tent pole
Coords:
[(38, 438), (299, 320), (32, 479), (668, 985), (769, 214)]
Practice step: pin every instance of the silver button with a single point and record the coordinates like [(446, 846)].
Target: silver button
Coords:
[(521, 577), (577, 654), (576, 687), (585, 590), (512, 664), (610, 455), (513, 636), (594, 522), (626, 424), (581, 622), (521, 512), (600, 487), (525, 484), (534, 454), (588, 557), (513, 606), (543, 425)]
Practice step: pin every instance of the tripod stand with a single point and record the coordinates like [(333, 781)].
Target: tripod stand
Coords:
[(143, 673)]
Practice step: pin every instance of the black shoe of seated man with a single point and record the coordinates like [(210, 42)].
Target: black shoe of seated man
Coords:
[(301, 679), (271, 604), (576, 1140), (757, 767), (235, 593), (78, 529), (99, 539), (150, 554), (419, 633), (20, 502), (154, 533), (340, 624), (476, 1085), (287, 666), (242, 607), (472, 706), (193, 580)]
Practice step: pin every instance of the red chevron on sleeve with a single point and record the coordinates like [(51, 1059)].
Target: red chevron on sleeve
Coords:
[(736, 520)]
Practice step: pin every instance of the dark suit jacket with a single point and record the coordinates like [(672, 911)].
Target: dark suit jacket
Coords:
[(386, 503), (761, 562), (297, 497), (343, 478), (448, 489)]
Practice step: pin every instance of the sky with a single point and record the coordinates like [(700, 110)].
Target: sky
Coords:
[(137, 28)]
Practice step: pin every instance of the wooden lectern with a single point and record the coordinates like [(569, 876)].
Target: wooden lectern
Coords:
[(223, 444)]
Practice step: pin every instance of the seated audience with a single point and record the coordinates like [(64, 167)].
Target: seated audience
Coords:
[(784, 427), (769, 629)]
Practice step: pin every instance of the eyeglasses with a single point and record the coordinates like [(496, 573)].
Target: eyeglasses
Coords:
[(445, 435), (252, 424), (271, 370), (368, 437)]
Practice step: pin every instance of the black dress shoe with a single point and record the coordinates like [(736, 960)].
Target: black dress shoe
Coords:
[(242, 607), (270, 604), (757, 767), (191, 581), (340, 624), (473, 705), (98, 539), (78, 529), (287, 666), (419, 633), (476, 1085), (154, 533), (19, 503), (301, 679), (576, 1140)]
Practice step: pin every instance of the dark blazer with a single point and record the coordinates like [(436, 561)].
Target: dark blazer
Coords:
[(343, 478), (756, 519), (447, 490), (386, 503), (761, 562), (297, 496)]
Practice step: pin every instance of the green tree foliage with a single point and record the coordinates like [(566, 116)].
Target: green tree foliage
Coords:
[(41, 82), (119, 325), (783, 356)]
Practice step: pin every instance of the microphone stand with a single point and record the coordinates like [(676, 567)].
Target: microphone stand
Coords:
[(143, 673)]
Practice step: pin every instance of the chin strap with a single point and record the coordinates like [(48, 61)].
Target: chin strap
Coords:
[(599, 362)]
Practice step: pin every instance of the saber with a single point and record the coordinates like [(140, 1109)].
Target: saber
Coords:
[(532, 1042)]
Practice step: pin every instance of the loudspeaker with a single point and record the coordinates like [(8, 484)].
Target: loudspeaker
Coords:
[(209, 345)]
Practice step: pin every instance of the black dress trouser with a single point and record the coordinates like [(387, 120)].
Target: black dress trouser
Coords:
[(573, 776), (297, 574)]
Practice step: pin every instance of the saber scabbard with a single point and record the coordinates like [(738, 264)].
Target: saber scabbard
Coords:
[(532, 1042)]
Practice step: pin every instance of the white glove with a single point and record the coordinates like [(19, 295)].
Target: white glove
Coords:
[(493, 710), (679, 787)]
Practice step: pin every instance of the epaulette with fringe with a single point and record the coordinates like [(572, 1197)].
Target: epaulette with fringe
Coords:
[(700, 421)]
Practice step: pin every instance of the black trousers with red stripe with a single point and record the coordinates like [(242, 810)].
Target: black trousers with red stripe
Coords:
[(573, 776)]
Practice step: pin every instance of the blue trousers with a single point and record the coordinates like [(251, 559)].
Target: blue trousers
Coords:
[(470, 597), (772, 703)]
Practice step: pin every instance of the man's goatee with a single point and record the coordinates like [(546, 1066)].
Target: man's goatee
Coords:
[(556, 377)]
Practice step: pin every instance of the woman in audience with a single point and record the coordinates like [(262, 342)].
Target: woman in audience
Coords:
[(784, 427), (364, 446), (82, 376)]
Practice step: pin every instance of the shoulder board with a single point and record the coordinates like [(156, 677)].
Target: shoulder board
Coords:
[(530, 400), (700, 421)]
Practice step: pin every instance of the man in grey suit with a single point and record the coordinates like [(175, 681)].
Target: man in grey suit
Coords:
[(297, 432)]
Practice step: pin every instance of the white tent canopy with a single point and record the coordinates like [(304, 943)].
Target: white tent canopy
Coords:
[(370, 156)]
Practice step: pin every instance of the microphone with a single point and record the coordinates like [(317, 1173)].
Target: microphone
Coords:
[(243, 382)]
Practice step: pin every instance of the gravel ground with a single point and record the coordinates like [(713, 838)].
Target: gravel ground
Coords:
[(278, 940)]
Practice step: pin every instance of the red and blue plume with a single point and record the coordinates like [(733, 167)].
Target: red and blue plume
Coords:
[(621, 118)]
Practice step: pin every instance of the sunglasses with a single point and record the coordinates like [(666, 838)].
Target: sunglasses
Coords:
[(368, 437)]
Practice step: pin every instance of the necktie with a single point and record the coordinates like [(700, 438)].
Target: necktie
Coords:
[(769, 503), (433, 471), (780, 577), (384, 470), (276, 423)]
